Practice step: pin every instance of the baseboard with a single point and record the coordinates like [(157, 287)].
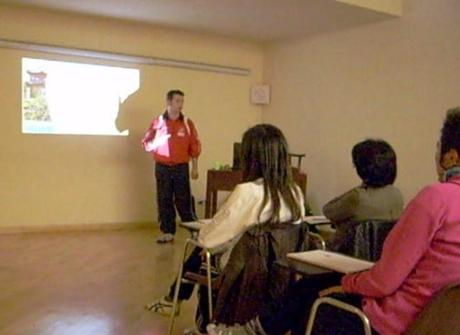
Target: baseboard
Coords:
[(75, 227)]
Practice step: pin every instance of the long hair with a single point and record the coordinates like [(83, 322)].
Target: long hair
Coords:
[(264, 154)]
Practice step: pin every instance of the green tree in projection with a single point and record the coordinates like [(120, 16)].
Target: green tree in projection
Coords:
[(36, 109)]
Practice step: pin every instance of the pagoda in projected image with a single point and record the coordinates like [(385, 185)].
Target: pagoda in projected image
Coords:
[(36, 116), (36, 85), (74, 98)]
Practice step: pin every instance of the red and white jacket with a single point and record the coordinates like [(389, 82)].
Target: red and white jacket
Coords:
[(170, 141)]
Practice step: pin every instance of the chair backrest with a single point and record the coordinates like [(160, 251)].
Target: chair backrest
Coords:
[(285, 238), (251, 277), (440, 315), (368, 238)]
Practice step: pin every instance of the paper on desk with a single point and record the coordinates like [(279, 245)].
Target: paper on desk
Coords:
[(195, 225), (316, 219), (332, 260)]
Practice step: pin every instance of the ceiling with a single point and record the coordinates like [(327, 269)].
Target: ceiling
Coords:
[(258, 20)]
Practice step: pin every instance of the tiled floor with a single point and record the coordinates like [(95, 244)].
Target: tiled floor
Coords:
[(86, 283)]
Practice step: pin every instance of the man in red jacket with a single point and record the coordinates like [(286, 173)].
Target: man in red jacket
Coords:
[(173, 141)]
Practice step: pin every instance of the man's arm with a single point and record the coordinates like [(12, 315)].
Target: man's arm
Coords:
[(343, 207), (194, 150), (149, 135), (195, 168)]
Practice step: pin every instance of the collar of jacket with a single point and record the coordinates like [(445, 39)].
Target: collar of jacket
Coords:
[(166, 116)]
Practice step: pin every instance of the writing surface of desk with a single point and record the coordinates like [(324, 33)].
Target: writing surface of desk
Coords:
[(305, 269), (226, 180)]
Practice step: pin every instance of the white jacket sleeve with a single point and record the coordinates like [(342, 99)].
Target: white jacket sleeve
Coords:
[(238, 213)]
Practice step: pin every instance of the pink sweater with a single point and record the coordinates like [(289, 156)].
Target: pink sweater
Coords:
[(420, 256)]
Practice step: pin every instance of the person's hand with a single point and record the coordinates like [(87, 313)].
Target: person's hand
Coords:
[(331, 290), (194, 173), (147, 145)]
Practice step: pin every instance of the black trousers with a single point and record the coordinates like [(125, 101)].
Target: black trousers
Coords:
[(173, 190), (291, 312), (192, 264)]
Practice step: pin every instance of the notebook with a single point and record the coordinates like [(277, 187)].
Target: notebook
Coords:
[(316, 220), (332, 261)]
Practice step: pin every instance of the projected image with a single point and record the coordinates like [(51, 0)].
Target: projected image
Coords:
[(73, 98)]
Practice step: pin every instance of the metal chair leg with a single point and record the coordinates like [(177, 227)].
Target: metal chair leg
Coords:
[(208, 273), (321, 243), (179, 281), (341, 305), (176, 290)]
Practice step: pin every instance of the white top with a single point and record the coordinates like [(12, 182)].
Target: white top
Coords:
[(240, 212)]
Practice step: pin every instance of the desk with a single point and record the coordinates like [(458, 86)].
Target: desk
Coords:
[(226, 180), (305, 269), (301, 269)]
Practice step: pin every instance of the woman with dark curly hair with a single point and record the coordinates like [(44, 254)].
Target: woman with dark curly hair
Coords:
[(375, 199)]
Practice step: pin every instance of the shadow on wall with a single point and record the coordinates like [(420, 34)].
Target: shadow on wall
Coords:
[(135, 115)]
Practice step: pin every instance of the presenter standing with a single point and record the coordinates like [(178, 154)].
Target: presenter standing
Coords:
[(173, 141)]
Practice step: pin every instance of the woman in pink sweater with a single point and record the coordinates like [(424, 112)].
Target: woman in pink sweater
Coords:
[(421, 255)]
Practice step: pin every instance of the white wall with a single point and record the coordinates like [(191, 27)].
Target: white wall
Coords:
[(72, 180), (393, 79)]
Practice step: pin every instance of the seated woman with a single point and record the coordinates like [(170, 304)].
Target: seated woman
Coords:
[(421, 255), (375, 199), (267, 195)]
